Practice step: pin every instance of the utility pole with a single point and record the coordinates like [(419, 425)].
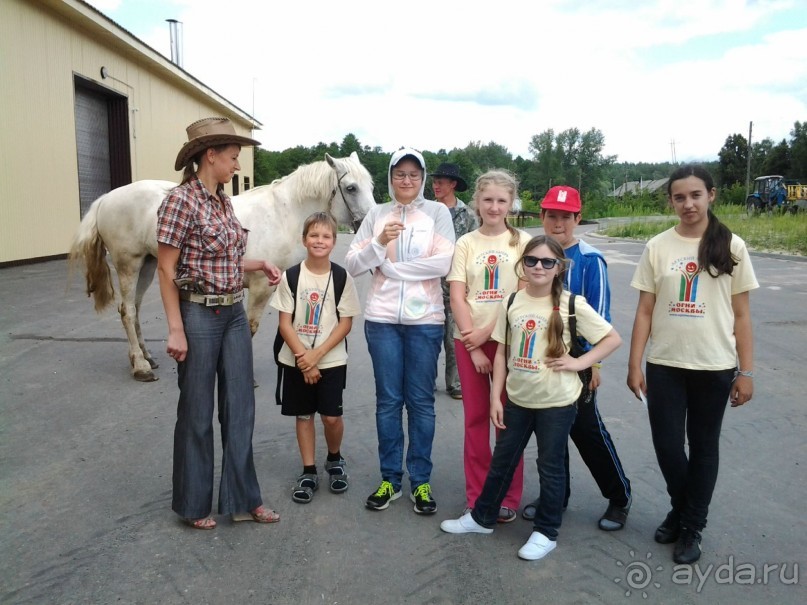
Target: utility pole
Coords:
[(748, 162)]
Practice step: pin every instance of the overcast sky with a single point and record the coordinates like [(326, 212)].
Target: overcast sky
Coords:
[(655, 76)]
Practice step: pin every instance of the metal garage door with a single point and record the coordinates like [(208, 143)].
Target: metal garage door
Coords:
[(92, 141)]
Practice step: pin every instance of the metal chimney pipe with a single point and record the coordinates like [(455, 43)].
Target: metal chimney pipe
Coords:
[(175, 30)]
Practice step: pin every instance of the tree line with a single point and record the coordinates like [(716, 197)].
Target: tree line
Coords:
[(787, 158), (569, 157)]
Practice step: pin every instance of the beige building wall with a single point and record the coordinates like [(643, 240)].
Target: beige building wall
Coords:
[(43, 45)]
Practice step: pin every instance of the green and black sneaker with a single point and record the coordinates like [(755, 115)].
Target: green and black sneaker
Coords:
[(422, 497), (380, 499)]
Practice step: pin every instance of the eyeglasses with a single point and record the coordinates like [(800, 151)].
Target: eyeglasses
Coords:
[(546, 263), (402, 176)]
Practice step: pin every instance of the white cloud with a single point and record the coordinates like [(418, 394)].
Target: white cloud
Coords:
[(438, 75)]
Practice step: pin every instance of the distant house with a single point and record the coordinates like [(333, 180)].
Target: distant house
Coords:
[(639, 187), (86, 107)]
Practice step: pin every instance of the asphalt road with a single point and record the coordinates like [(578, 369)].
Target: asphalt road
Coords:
[(85, 465)]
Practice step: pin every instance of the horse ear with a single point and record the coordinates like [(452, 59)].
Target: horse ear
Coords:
[(354, 156), (330, 160)]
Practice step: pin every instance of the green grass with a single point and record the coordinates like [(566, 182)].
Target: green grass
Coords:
[(775, 233)]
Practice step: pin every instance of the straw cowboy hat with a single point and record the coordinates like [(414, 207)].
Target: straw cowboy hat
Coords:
[(451, 171), (209, 132)]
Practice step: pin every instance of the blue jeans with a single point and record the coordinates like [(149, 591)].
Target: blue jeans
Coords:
[(551, 427), (405, 368), (219, 347), (688, 403)]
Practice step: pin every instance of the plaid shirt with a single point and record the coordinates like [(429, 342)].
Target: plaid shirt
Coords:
[(210, 238)]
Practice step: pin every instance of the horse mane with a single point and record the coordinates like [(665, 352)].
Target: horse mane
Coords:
[(313, 179)]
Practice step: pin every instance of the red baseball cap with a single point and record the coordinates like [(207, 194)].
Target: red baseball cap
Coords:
[(562, 197)]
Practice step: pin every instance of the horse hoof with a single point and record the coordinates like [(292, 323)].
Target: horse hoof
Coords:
[(154, 365), (145, 376)]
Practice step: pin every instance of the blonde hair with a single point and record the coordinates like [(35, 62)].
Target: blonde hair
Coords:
[(505, 180), (554, 333)]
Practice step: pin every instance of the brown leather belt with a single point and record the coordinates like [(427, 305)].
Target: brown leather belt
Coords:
[(212, 300)]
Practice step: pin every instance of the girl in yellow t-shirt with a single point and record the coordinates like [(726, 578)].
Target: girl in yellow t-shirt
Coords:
[(542, 388), (482, 275), (693, 283)]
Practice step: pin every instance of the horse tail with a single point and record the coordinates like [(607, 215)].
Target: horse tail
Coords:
[(88, 247)]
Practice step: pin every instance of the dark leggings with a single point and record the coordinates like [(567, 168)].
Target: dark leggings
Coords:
[(688, 404)]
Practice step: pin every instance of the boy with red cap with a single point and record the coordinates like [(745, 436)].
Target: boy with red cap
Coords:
[(587, 276)]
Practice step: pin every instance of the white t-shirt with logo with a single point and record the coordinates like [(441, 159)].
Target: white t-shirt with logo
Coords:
[(486, 265), (311, 317), (693, 320), (530, 383)]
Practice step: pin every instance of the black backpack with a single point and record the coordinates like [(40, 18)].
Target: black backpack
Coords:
[(293, 277)]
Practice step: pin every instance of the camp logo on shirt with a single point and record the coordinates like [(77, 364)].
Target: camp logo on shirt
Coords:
[(491, 262), (687, 304), (526, 333), (313, 310)]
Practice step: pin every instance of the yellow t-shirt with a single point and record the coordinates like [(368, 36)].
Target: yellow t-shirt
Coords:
[(310, 318), (486, 265), (530, 383), (693, 321)]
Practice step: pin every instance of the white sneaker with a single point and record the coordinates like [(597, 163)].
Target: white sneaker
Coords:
[(464, 525), (537, 547)]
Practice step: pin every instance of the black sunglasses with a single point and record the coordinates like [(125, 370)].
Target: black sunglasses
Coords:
[(546, 263)]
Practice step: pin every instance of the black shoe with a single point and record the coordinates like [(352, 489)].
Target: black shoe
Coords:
[(668, 531), (688, 548), (615, 517), (380, 499)]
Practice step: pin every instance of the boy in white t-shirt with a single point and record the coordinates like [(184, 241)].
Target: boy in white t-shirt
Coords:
[(316, 314)]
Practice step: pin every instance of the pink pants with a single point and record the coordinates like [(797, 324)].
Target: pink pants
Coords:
[(477, 451)]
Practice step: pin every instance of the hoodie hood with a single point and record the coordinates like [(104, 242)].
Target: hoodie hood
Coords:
[(397, 157)]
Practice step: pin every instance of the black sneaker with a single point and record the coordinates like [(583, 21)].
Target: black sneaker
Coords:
[(422, 497), (688, 547), (668, 531), (380, 499)]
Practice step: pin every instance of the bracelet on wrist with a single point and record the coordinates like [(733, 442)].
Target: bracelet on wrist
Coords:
[(746, 373), (597, 365)]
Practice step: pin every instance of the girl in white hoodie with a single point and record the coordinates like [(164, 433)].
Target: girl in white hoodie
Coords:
[(407, 245)]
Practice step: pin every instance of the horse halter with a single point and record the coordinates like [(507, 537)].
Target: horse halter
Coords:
[(356, 222)]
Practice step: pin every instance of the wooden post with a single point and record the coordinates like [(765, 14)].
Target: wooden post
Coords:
[(748, 162)]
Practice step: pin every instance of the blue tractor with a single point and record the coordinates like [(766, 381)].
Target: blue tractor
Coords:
[(769, 194)]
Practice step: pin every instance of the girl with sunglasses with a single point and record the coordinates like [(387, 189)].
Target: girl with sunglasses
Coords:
[(481, 277), (533, 362)]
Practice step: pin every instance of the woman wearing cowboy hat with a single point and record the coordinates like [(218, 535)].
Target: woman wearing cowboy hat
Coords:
[(200, 262)]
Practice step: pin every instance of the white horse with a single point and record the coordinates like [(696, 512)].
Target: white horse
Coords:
[(124, 223)]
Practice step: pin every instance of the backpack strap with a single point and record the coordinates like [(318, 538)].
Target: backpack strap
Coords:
[(339, 281), (292, 277), (576, 349), (510, 300)]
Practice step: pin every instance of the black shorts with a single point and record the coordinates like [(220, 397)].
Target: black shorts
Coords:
[(325, 397)]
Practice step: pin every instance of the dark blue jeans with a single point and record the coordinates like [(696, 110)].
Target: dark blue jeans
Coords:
[(405, 368), (551, 427), (688, 403), (219, 348)]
